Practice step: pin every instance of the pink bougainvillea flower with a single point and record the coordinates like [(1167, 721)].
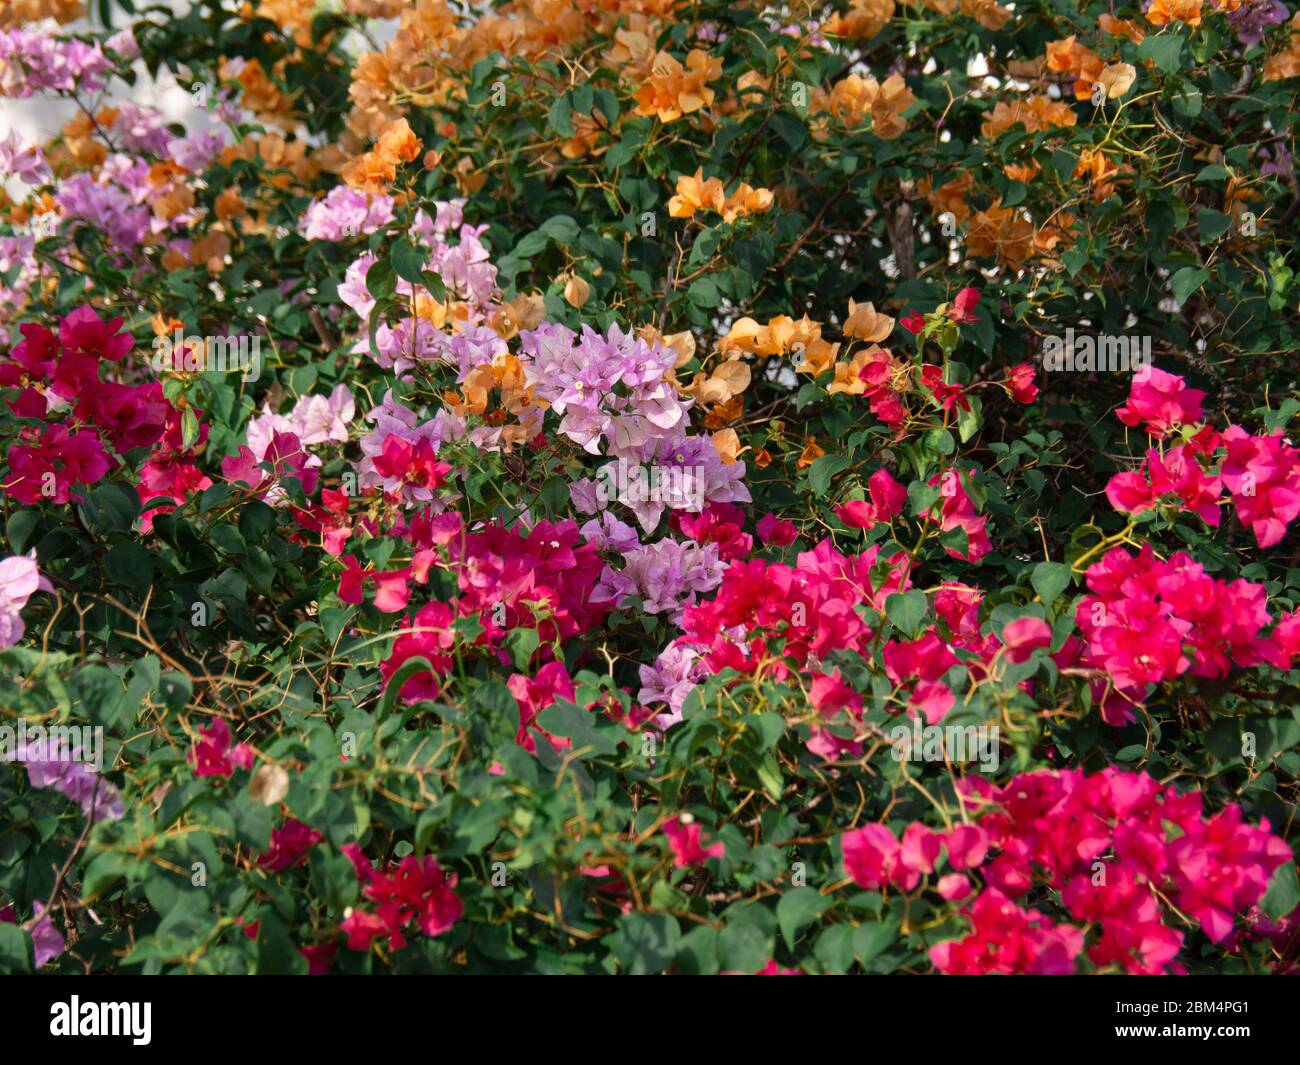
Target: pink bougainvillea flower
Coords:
[(912, 322), (829, 694), (685, 838), (46, 939), (967, 846), (857, 514), (1023, 637), (1262, 473), (873, 858), (887, 495), (1161, 401), (1005, 938)]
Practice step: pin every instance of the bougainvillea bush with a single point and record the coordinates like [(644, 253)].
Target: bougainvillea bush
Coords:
[(636, 486)]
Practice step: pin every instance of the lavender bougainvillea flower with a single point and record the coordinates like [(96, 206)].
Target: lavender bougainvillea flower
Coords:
[(20, 579), (46, 939)]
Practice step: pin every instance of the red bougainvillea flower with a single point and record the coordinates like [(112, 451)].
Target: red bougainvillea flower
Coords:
[(320, 957), (129, 416), (718, 523), (417, 890), (83, 332), (1162, 401), (430, 636), (1020, 383), (946, 395), (32, 359), (887, 499), (912, 322), (684, 837), (48, 470), (213, 756), (414, 464), (775, 532), (290, 843), (962, 308), (534, 695)]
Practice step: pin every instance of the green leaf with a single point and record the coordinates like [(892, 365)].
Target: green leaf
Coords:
[(871, 938), (381, 280), (797, 908), (1050, 579), (1283, 894), (408, 262), (645, 943), (15, 949), (130, 565), (521, 644), (1166, 49), (1187, 281), (743, 947), (19, 529), (907, 611), (823, 470), (1212, 225)]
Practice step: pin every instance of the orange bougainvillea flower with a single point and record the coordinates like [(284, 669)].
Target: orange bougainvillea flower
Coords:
[(696, 194), (673, 90), (856, 101), (864, 19), (1286, 64), (1068, 56), (728, 444), (1002, 233), (1163, 12), (1035, 112), (782, 336), (949, 198), (1022, 171), (865, 323), (811, 453), (376, 170), (399, 144), (746, 200), (699, 194), (1100, 172), (1118, 27)]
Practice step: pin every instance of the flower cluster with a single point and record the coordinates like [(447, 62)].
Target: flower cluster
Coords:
[(1103, 843)]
